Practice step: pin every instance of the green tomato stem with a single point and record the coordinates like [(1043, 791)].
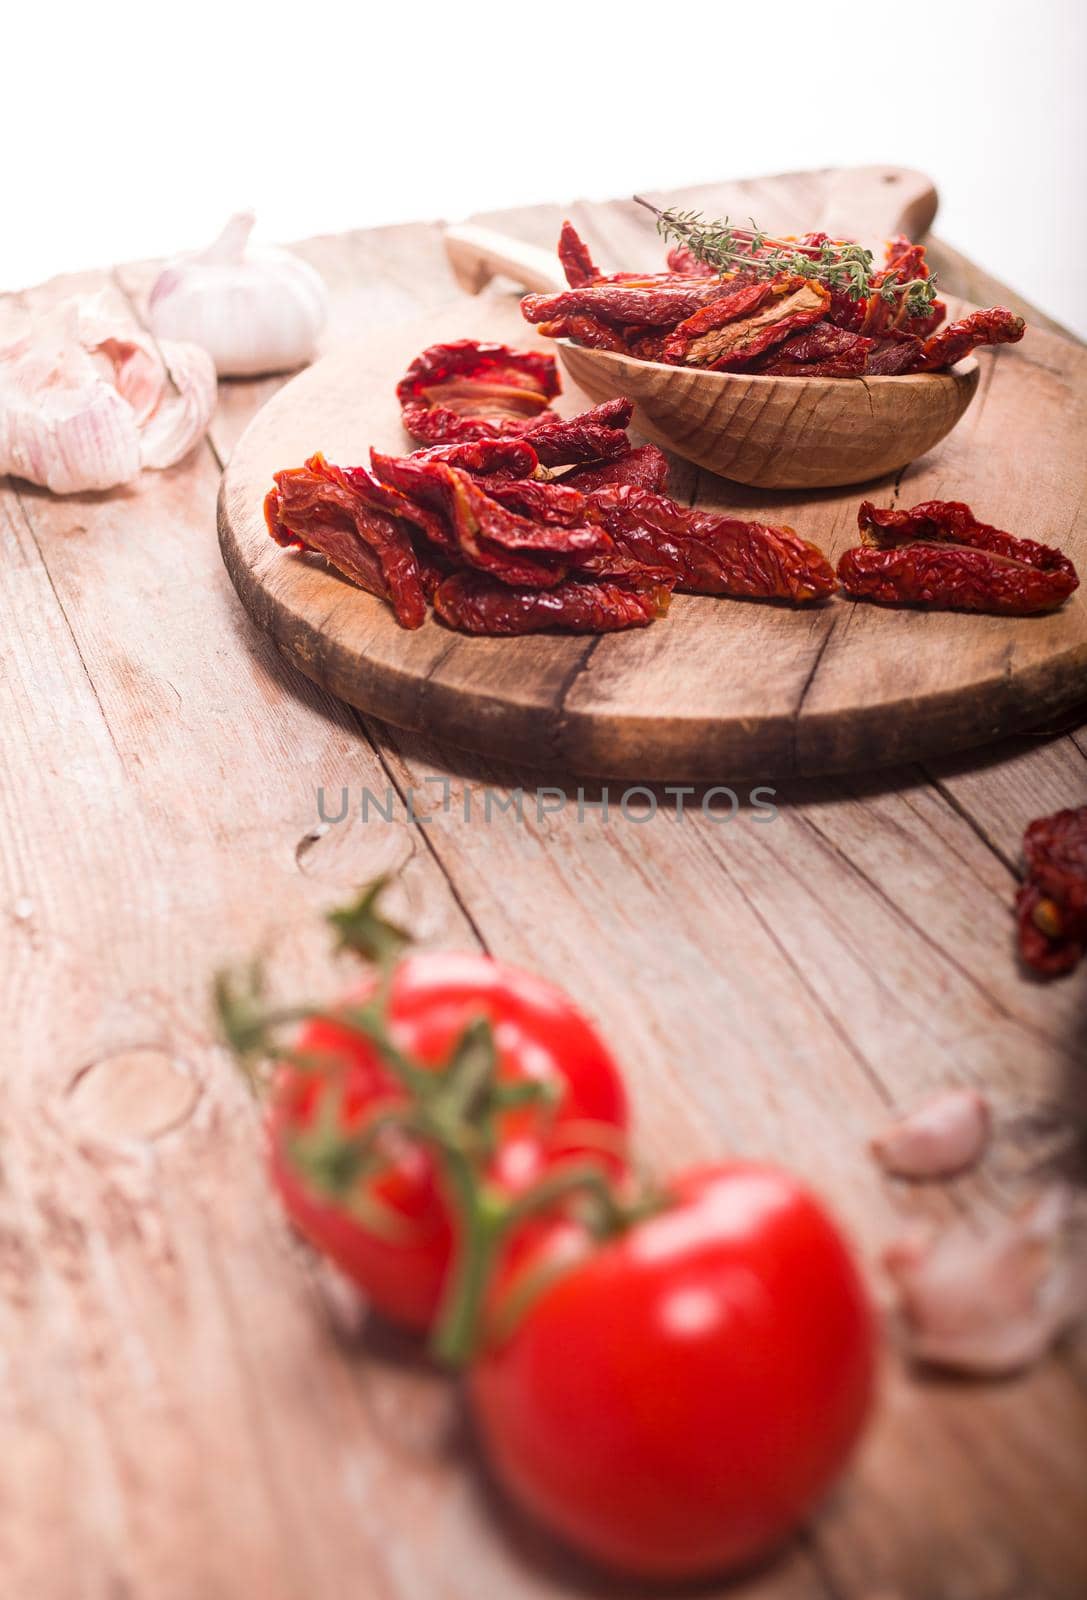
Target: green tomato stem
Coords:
[(481, 1220)]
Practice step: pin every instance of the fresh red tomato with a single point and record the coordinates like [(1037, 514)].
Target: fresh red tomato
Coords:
[(539, 1036), (676, 1400)]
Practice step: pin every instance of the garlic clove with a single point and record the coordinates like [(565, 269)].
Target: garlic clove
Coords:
[(127, 357), (255, 310), (182, 417), (990, 1304), (946, 1135), (62, 425)]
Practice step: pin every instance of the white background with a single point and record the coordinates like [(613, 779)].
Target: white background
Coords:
[(134, 130)]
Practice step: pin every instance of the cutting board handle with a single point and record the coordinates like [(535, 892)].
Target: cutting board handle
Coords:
[(871, 204), (477, 255), (865, 203)]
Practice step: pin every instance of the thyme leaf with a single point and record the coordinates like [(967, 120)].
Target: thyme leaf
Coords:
[(848, 268)]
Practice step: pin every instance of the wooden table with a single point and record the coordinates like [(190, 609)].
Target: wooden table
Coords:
[(191, 1409)]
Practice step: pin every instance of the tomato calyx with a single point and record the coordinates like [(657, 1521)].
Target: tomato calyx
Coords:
[(361, 927), (488, 1218)]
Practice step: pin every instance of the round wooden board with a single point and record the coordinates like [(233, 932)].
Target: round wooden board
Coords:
[(720, 688)]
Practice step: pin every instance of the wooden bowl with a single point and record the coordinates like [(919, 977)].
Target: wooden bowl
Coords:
[(781, 433), (774, 433)]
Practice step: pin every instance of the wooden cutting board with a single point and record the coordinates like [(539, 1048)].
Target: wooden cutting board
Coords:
[(719, 689)]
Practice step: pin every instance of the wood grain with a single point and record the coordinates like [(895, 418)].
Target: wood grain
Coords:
[(190, 1407), (840, 686)]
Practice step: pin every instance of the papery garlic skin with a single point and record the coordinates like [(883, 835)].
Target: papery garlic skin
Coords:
[(178, 421), (254, 310), (86, 400), (946, 1135), (990, 1304)]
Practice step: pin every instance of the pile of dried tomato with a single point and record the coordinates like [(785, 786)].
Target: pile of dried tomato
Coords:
[(786, 326), (668, 1377), (514, 520)]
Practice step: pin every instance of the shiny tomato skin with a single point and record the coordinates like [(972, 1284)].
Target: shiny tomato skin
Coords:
[(675, 1403), (539, 1034)]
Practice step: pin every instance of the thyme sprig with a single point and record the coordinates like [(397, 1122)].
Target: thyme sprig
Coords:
[(848, 268)]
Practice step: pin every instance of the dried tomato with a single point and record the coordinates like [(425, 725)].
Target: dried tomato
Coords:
[(996, 326), (356, 525), (524, 380), (820, 351), (906, 258), (741, 298), (711, 553), (647, 344), (595, 435), (469, 390), (652, 305), (476, 604), (939, 554), (1051, 906), (645, 467), (498, 458), (586, 330), (793, 304), (880, 316), (891, 356), (574, 255), (846, 312)]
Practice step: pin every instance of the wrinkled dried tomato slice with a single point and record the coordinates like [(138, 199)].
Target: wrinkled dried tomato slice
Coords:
[(475, 604), (577, 263), (473, 390), (498, 458), (938, 554), (649, 304), (714, 554), (737, 341), (741, 299), (644, 467), (1051, 906), (356, 525), (595, 435), (822, 351), (480, 377), (586, 330), (996, 326), (890, 357)]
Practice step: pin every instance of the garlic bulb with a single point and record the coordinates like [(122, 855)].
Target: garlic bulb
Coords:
[(993, 1303), (945, 1135), (86, 400), (254, 310)]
